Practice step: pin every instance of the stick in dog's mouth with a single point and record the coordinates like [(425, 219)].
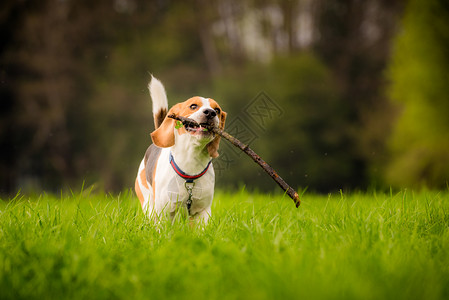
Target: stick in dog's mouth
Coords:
[(191, 125), (197, 128), (245, 148), (202, 126)]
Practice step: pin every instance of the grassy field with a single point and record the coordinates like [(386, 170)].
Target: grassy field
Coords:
[(357, 246)]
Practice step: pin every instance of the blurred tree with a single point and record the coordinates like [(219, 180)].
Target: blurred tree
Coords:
[(38, 86), (355, 43), (420, 77), (53, 50), (351, 40), (297, 124), (74, 73), (74, 102)]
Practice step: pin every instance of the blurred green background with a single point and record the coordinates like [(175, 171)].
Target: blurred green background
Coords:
[(333, 94)]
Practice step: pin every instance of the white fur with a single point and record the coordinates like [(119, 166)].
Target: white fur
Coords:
[(158, 95), (168, 204)]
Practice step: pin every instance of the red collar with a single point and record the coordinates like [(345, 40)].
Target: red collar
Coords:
[(187, 177)]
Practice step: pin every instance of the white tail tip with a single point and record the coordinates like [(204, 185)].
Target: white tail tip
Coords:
[(158, 95)]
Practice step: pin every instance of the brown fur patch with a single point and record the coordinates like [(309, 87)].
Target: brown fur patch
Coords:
[(159, 117), (139, 192), (151, 156)]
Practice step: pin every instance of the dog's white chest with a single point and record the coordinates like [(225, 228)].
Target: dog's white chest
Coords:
[(201, 192), (177, 190)]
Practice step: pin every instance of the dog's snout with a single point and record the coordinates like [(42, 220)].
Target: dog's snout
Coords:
[(210, 113)]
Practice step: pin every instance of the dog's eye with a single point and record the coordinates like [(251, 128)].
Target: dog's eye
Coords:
[(193, 106), (217, 110)]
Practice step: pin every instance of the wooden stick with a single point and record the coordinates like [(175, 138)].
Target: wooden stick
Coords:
[(245, 148)]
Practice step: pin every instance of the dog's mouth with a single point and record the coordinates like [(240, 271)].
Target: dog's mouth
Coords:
[(200, 129)]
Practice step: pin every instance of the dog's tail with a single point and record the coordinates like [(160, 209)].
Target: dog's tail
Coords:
[(160, 103)]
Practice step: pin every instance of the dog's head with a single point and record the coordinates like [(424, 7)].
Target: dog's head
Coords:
[(203, 111)]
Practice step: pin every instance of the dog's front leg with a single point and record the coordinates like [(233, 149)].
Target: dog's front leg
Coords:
[(202, 217)]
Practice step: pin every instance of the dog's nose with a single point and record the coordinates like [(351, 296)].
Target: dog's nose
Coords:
[(210, 113)]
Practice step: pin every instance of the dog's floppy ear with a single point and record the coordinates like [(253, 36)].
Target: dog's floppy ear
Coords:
[(164, 136), (213, 146)]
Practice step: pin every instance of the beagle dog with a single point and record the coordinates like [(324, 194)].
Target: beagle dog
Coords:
[(176, 173)]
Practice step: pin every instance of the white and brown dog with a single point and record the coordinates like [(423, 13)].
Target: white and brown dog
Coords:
[(176, 173)]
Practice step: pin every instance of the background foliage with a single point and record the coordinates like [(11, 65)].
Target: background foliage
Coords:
[(74, 104), (420, 141)]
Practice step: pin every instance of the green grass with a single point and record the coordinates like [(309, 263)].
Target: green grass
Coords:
[(357, 246)]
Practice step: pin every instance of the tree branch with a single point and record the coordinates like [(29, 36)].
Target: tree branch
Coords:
[(245, 148)]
